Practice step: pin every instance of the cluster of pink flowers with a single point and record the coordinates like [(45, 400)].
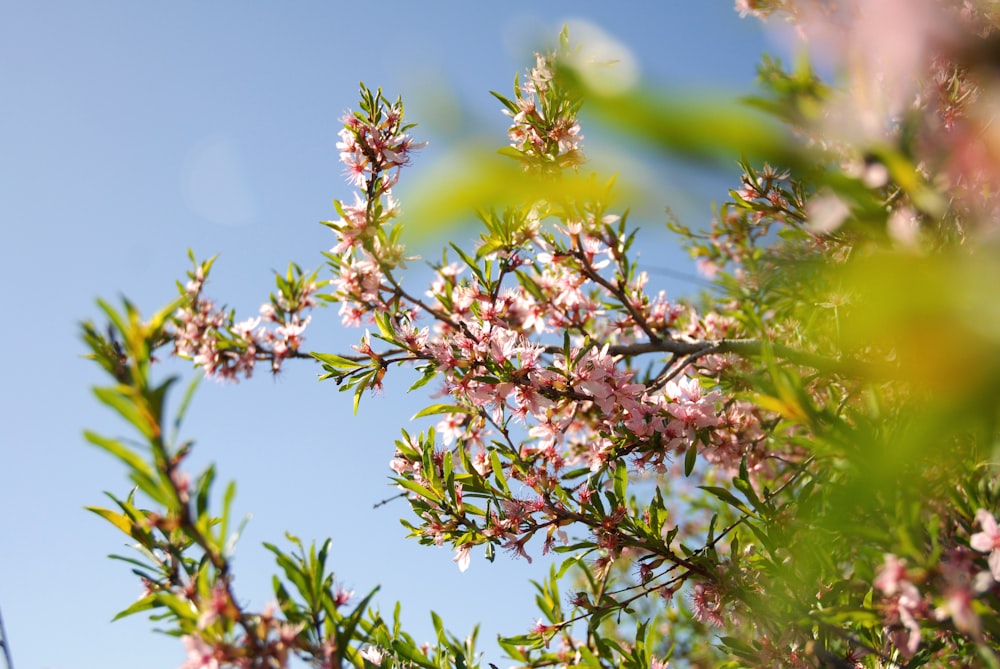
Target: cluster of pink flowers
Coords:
[(268, 641), (960, 581), (707, 604), (543, 122), (374, 147), (903, 606), (214, 654), (483, 332), (579, 400), (494, 361), (225, 349), (764, 201), (198, 320), (557, 406), (208, 647), (926, 80)]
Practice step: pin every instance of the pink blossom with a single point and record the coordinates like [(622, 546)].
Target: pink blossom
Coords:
[(541, 629), (342, 596), (826, 212), (891, 575), (292, 332), (901, 618), (748, 8), (245, 328), (214, 607), (200, 654), (462, 557), (549, 432), (883, 67), (567, 137), (451, 427), (352, 227), (530, 402), (267, 312), (706, 604), (988, 541), (958, 606), (689, 406), (907, 637), (373, 654)]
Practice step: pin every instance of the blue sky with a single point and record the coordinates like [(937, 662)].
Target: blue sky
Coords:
[(133, 131)]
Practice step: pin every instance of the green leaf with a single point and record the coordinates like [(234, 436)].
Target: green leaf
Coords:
[(146, 603), (186, 402), (119, 400), (621, 481), (505, 101), (741, 648), (472, 265), (408, 651), (489, 247), (132, 561), (428, 372), (115, 318), (119, 450), (419, 489), (349, 625), (588, 659), (204, 488), (726, 497), (690, 457), (438, 627), (441, 408), (227, 503), (181, 607), (357, 395), (523, 640), (382, 320), (498, 472), (847, 614), (746, 488), (336, 361), (120, 521)]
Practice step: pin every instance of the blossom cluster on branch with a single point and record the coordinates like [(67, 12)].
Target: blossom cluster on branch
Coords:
[(796, 469), (224, 349)]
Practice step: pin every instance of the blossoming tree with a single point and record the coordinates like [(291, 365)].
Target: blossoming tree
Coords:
[(796, 469)]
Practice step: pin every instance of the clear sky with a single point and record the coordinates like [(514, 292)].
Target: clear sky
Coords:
[(131, 131)]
